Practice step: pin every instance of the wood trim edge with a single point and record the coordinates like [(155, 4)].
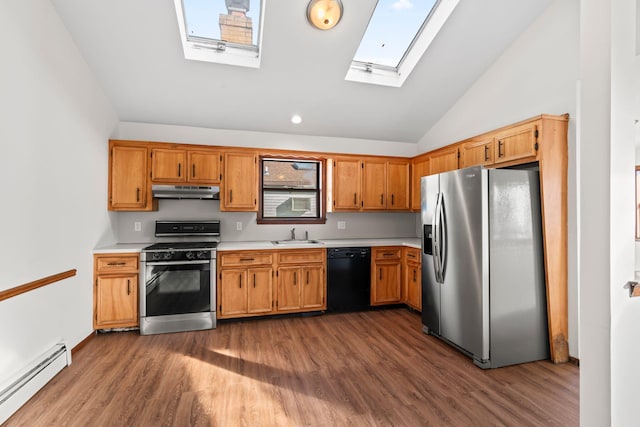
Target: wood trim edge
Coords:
[(10, 293), (82, 343), (574, 361)]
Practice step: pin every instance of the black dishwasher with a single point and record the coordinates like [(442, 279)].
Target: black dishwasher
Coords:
[(348, 279)]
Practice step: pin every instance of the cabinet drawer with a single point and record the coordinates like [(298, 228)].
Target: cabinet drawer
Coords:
[(387, 253), (115, 263), (413, 255), (245, 258), (297, 257)]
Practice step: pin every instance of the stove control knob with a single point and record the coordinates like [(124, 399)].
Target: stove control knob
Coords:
[(202, 254), (191, 255), (155, 256), (167, 255)]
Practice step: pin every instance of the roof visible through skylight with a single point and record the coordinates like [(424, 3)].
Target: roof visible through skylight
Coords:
[(392, 29)]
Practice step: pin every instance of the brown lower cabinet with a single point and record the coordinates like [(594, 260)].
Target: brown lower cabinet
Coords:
[(258, 283), (412, 278), (115, 296), (386, 275)]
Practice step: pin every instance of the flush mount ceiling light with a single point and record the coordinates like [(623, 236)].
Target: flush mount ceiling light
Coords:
[(296, 119), (324, 14)]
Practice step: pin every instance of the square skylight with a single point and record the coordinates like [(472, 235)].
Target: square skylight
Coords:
[(398, 34), (222, 31)]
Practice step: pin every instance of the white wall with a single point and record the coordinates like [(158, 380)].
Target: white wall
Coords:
[(625, 312), (537, 74), (235, 138), (55, 122), (358, 225)]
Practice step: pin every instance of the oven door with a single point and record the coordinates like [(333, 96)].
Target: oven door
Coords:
[(177, 287)]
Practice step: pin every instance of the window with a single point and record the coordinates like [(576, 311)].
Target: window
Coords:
[(398, 34), (222, 31), (291, 191)]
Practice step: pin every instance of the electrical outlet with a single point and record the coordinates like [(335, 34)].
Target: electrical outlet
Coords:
[(137, 226), (342, 225), (239, 226)]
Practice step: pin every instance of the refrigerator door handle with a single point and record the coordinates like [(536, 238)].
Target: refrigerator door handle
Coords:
[(442, 256), (436, 239)]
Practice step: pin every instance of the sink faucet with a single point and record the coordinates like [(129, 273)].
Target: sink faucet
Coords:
[(293, 234)]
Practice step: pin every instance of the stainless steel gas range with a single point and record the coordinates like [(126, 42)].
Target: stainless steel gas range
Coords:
[(178, 278)]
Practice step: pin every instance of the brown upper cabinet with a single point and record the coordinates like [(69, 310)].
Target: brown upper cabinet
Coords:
[(347, 183), (177, 166), (239, 184), (514, 145), (441, 160), (370, 184), (419, 168), (129, 188), (477, 151), (517, 143)]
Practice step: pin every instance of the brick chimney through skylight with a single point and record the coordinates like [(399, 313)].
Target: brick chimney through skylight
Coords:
[(236, 26)]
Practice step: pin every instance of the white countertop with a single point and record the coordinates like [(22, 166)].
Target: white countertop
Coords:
[(413, 242), (120, 248)]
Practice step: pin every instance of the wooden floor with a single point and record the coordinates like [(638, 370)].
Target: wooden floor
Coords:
[(357, 369)]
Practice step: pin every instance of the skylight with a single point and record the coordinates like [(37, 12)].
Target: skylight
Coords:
[(222, 31), (398, 34)]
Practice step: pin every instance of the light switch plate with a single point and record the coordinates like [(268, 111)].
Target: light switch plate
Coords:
[(342, 225), (239, 226), (137, 226)]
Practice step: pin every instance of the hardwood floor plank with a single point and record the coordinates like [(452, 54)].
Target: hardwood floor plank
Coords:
[(354, 369)]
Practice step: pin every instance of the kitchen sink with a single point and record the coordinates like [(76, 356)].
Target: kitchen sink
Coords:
[(296, 242)]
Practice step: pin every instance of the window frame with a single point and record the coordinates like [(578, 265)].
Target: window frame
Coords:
[(321, 191), (384, 75), (219, 51)]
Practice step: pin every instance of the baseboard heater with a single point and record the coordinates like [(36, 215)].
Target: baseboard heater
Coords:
[(32, 378)]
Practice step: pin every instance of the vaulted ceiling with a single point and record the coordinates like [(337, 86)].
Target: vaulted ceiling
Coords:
[(134, 49)]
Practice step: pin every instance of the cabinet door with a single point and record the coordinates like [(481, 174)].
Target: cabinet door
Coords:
[(478, 152), (128, 188), (444, 161), (260, 298), (239, 182), (386, 283), (414, 286), (116, 301), (398, 185), (289, 279), (346, 183), (204, 167), (517, 143), (419, 168), (232, 292), (168, 165), (374, 184), (313, 286)]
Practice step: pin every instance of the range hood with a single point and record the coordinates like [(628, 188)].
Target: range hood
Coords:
[(185, 192)]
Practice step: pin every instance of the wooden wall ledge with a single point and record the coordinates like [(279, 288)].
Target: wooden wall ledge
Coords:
[(10, 293)]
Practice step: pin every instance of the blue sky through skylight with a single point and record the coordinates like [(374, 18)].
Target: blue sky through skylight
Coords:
[(391, 30), (201, 17)]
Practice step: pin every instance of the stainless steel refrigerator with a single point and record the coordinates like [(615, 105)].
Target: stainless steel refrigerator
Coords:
[(483, 281)]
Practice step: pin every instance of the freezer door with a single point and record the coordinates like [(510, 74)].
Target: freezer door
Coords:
[(464, 293), (430, 288)]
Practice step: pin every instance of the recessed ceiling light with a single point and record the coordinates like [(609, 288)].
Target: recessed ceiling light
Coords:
[(296, 119)]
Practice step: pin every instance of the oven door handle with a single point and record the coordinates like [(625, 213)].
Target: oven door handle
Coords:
[(152, 264)]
